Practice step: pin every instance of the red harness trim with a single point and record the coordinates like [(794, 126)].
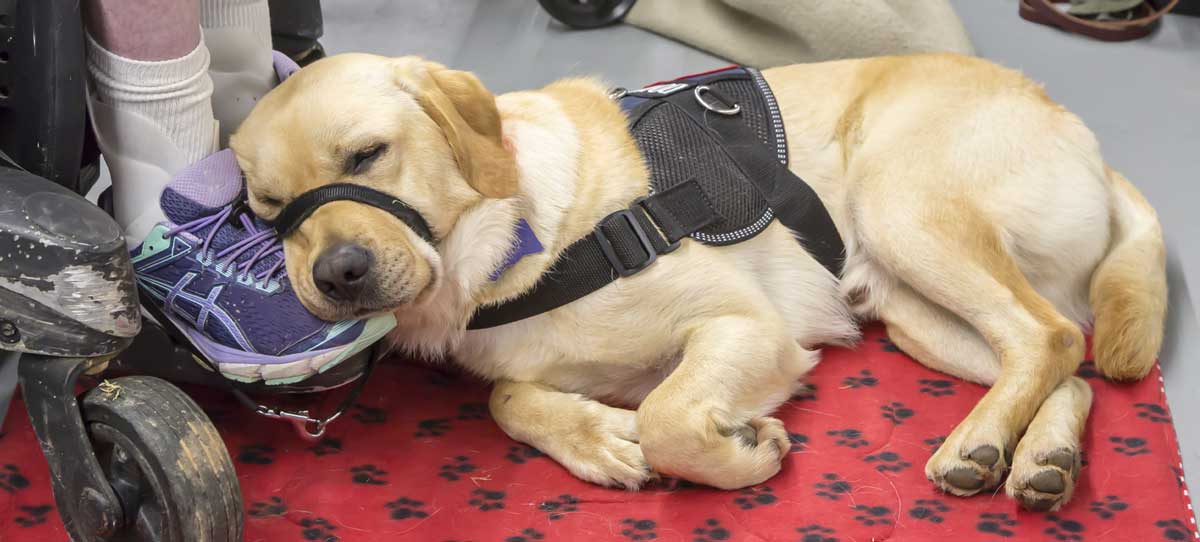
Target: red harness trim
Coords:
[(729, 67)]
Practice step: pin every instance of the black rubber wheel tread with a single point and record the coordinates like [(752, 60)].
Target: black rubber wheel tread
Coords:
[(185, 451)]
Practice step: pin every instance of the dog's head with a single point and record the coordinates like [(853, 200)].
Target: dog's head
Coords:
[(425, 135)]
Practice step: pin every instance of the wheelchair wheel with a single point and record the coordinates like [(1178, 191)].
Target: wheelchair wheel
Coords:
[(587, 13), (165, 461)]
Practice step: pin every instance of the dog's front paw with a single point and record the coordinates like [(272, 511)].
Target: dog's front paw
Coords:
[(967, 464), (606, 451)]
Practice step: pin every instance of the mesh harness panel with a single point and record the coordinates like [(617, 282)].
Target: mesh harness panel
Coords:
[(715, 147)]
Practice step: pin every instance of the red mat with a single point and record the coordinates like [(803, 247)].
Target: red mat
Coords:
[(419, 459)]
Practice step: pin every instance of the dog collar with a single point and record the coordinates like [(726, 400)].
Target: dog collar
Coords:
[(526, 243), (299, 209)]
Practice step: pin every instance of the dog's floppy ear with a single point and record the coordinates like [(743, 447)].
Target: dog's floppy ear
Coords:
[(466, 112)]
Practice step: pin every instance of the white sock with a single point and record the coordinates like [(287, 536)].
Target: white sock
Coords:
[(238, 33), (152, 119), (251, 16), (174, 94)]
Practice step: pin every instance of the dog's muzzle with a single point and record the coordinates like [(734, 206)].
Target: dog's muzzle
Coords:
[(299, 209)]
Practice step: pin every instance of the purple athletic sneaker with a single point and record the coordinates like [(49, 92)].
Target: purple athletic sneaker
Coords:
[(217, 273)]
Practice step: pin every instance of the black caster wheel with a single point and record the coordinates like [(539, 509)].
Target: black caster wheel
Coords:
[(587, 13), (165, 461)]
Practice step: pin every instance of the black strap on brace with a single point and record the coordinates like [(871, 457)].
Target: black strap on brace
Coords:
[(299, 209), (625, 242)]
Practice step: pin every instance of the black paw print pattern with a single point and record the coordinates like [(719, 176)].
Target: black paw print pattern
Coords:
[(833, 487), (712, 531), (1064, 530), (527, 535), (638, 529), (996, 523), (936, 387), (32, 515), (1108, 507), (433, 427), (1087, 370), (406, 508), (887, 462), (256, 454), (368, 475), (368, 414), (473, 411), (809, 393), (486, 499), (1153, 412), (848, 437), (273, 506), (873, 515), (930, 510), (521, 453), (1129, 446), (327, 446), (896, 412), (887, 345), (1173, 529), (864, 379), (756, 496), (934, 443), (799, 442), (556, 508), (318, 529), (454, 470), (816, 533), (11, 479)]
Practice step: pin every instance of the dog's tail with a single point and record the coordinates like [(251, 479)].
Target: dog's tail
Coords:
[(1129, 287)]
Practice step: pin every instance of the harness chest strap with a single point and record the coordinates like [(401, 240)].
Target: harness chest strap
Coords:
[(629, 240)]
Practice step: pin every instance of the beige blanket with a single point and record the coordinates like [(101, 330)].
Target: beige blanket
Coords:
[(765, 33)]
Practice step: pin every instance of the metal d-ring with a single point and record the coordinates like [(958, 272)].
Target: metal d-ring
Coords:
[(617, 93), (728, 111)]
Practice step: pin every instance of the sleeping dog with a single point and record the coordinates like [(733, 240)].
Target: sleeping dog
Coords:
[(979, 222)]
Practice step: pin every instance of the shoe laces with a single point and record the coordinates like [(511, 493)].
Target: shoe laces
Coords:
[(268, 243)]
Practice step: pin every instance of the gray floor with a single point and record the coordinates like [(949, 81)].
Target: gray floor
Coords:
[(1141, 98)]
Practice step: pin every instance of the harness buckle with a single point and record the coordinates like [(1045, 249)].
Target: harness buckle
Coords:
[(611, 254)]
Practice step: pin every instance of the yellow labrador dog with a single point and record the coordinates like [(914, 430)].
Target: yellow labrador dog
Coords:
[(981, 226)]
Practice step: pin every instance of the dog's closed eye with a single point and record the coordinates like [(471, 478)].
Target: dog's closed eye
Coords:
[(269, 201), (361, 160)]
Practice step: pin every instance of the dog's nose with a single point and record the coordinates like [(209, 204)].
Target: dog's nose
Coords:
[(340, 271)]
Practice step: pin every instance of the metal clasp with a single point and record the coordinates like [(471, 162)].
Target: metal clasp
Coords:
[(721, 111), (300, 420)]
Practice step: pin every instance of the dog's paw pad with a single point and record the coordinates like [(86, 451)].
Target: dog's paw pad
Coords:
[(1048, 481), (1067, 460), (986, 455), (964, 478)]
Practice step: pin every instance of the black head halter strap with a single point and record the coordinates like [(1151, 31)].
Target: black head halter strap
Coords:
[(299, 209)]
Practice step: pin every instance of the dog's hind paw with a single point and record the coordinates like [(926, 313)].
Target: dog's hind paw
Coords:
[(1044, 480)]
